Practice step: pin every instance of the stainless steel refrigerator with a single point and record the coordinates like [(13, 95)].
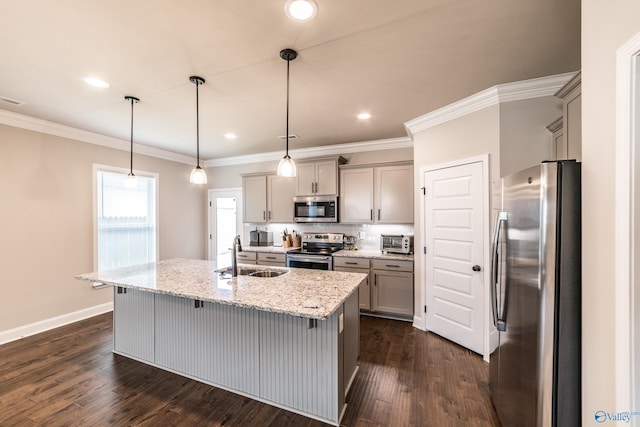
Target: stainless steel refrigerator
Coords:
[(535, 290)]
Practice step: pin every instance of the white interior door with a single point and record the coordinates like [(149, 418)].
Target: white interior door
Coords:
[(454, 221), (225, 222)]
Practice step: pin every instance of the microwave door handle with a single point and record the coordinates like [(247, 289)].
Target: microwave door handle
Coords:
[(498, 321)]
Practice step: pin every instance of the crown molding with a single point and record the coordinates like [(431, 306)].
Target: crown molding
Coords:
[(570, 85), (22, 121), (324, 150), (516, 91)]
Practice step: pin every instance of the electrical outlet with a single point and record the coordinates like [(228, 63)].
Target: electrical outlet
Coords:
[(362, 235)]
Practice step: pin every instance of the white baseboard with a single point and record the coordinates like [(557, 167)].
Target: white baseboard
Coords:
[(54, 322), (417, 323)]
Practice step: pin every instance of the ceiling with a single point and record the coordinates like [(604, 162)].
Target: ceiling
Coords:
[(394, 59)]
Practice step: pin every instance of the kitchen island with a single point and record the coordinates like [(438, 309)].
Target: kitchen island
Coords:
[(290, 340)]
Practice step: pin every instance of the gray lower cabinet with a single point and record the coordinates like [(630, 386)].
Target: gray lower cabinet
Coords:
[(388, 289), (246, 257), (356, 265), (392, 287), (272, 259)]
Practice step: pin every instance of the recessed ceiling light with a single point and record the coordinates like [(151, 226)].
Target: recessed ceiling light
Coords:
[(301, 10), (96, 82), (364, 116), (230, 135)]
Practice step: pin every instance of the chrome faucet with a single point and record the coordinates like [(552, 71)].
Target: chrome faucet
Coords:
[(236, 247)]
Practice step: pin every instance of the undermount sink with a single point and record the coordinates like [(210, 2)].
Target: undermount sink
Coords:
[(252, 272), (267, 273)]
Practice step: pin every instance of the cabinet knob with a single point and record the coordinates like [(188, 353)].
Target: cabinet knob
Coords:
[(476, 268)]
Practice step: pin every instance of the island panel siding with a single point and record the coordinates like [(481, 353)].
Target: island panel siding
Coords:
[(216, 343), (293, 352), (273, 357), (133, 324)]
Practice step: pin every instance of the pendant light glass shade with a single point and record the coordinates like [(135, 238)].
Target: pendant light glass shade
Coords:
[(287, 167), (198, 175), (131, 181)]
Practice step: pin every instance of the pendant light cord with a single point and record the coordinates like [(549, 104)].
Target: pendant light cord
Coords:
[(287, 128), (131, 150), (197, 127)]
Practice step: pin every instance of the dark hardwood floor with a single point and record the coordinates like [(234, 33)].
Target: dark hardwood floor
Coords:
[(69, 377)]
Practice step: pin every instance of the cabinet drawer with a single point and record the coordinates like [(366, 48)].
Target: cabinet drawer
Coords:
[(389, 264), (246, 256), (350, 262), (271, 257)]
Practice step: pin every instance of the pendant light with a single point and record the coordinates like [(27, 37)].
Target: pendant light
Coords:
[(198, 175), (131, 181), (287, 166)]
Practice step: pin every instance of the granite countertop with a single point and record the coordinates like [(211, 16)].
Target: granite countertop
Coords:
[(373, 255), (315, 294), (269, 249)]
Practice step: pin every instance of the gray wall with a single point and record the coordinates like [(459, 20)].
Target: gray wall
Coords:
[(46, 186), (524, 138)]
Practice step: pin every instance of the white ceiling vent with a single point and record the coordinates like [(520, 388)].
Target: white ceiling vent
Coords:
[(13, 102), (291, 137)]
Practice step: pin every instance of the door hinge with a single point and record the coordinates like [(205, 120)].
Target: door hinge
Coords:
[(425, 308), (209, 203), (424, 190), (210, 236), (425, 249)]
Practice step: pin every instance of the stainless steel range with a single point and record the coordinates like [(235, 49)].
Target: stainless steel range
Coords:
[(316, 251)]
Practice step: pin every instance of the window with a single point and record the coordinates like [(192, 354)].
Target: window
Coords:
[(126, 230)]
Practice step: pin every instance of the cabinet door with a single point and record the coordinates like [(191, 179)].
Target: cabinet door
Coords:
[(394, 194), (280, 191), (356, 196), (393, 292), (276, 260), (254, 193), (326, 178), (246, 257), (305, 179), (364, 290)]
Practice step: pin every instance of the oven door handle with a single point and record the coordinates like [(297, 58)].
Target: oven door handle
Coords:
[(314, 258)]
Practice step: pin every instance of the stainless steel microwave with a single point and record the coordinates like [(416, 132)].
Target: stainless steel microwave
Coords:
[(396, 243), (315, 209)]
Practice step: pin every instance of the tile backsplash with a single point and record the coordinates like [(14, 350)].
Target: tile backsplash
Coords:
[(371, 232)]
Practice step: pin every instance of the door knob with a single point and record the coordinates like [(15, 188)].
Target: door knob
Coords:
[(476, 268)]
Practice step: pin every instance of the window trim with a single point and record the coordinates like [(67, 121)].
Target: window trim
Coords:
[(114, 169)]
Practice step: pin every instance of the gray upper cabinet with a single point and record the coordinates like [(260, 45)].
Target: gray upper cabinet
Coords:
[(356, 195), (254, 198), (267, 198), (318, 178), (393, 194), (280, 192), (377, 194)]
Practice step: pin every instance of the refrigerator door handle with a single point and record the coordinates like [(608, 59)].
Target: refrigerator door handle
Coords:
[(499, 323)]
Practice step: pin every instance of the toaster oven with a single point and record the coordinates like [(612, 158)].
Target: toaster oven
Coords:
[(396, 243)]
